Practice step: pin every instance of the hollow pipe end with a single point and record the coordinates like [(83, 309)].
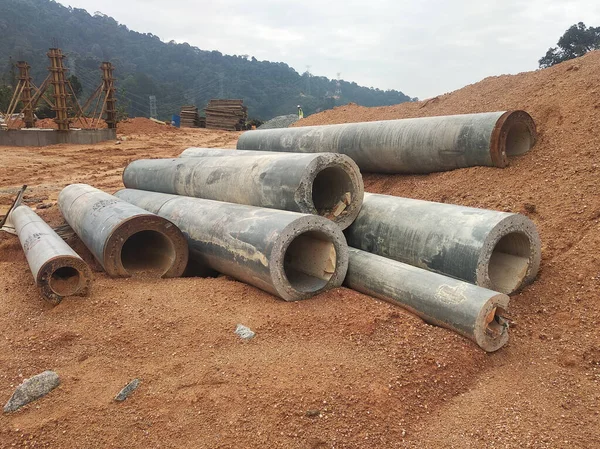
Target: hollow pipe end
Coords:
[(146, 245), (491, 327), (514, 134), (310, 256), (64, 276), (333, 189)]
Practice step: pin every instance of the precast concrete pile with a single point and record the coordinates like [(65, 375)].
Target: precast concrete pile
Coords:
[(322, 184), (288, 254), (57, 269), (496, 250), (416, 145), (474, 312), (125, 239)]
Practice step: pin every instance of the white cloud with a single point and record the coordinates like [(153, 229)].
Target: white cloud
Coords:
[(423, 48)]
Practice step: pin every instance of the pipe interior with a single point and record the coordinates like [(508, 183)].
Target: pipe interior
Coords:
[(65, 281), (509, 262), (518, 139), (310, 260), (147, 253), (328, 191), (496, 323)]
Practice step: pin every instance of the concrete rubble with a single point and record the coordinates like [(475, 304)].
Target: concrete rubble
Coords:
[(31, 389)]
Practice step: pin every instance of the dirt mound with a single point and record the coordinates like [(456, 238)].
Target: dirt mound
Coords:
[(141, 125)]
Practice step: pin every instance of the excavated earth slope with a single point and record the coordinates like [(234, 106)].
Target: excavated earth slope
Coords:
[(339, 370)]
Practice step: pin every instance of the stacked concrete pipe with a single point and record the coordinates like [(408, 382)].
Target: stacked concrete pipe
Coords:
[(323, 184), (496, 250), (125, 239), (290, 255), (473, 312), (417, 145), (57, 269)]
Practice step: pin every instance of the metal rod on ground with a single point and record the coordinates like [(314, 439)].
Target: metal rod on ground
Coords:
[(291, 255), (125, 239), (57, 269), (416, 145), (322, 184), (474, 312), (497, 250)]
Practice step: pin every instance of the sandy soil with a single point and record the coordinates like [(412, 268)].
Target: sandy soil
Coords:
[(341, 369)]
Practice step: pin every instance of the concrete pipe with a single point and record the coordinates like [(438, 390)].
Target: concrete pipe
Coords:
[(497, 250), (416, 145), (125, 239), (473, 312), (291, 255), (322, 184), (57, 269)]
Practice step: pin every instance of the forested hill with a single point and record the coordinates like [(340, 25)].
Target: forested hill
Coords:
[(175, 73)]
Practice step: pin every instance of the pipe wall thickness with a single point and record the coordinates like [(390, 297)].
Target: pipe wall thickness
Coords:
[(125, 239), (416, 145), (290, 255), (496, 250), (473, 312), (322, 184), (57, 269)]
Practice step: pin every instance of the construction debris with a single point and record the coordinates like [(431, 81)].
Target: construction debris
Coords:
[(127, 390), (230, 115)]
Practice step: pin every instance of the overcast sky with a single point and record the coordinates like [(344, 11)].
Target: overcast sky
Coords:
[(421, 47)]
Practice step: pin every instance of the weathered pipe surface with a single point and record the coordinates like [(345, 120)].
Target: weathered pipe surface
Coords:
[(322, 184), (291, 255), (473, 312), (124, 238), (416, 145), (57, 269), (497, 250)]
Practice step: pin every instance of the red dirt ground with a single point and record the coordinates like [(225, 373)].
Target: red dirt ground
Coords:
[(341, 369)]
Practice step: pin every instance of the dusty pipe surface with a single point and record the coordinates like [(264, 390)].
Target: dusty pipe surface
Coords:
[(57, 269), (416, 145), (474, 312), (496, 250), (322, 184), (290, 255), (125, 239), (218, 152)]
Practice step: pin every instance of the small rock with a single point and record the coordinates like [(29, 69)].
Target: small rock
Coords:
[(529, 207), (244, 332), (128, 389), (313, 413), (31, 389)]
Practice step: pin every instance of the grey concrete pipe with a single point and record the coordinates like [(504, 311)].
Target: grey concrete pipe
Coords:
[(473, 312), (125, 239), (497, 250), (57, 269), (291, 255), (322, 184), (416, 145)]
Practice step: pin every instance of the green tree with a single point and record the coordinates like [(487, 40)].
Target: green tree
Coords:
[(576, 41)]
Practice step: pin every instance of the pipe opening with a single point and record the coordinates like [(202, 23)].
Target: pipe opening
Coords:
[(65, 281), (332, 192), (509, 262), (310, 261), (147, 253), (495, 322), (518, 139)]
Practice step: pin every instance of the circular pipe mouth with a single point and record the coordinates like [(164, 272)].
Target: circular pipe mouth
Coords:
[(148, 253), (65, 281), (509, 262), (310, 261), (514, 134), (491, 328)]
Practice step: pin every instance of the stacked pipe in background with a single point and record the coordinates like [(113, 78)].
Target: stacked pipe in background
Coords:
[(416, 145)]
